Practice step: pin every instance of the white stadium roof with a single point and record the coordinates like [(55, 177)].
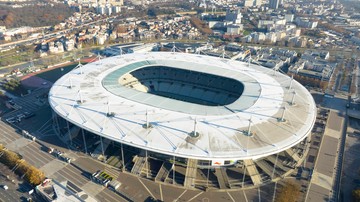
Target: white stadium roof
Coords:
[(222, 128)]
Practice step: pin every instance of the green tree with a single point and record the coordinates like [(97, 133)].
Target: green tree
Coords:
[(12, 84)]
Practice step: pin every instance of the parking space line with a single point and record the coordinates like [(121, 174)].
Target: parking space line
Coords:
[(82, 177), (71, 178), (146, 188), (41, 153), (109, 196), (6, 139), (10, 132), (35, 155), (79, 178)]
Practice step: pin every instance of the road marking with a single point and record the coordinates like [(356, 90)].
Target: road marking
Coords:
[(245, 196), (40, 154), (180, 195), (35, 155), (161, 195), (70, 178), (230, 196), (195, 196), (146, 188)]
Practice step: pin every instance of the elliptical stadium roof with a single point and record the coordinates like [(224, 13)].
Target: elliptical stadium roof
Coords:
[(253, 97)]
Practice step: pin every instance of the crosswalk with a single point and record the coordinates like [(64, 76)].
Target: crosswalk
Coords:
[(112, 172)]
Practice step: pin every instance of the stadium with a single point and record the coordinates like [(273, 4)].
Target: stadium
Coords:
[(185, 119)]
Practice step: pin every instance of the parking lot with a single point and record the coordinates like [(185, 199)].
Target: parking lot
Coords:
[(17, 190)]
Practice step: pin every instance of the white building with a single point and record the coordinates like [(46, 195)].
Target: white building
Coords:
[(249, 3), (289, 17), (305, 22)]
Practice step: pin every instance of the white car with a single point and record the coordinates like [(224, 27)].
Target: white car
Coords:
[(5, 187)]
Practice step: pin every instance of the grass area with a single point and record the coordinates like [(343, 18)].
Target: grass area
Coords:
[(55, 74), (14, 57)]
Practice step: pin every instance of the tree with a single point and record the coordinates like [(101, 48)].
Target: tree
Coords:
[(289, 192), (9, 158), (12, 84), (34, 176), (356, 195)]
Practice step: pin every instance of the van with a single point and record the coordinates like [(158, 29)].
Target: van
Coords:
[(5, 187)]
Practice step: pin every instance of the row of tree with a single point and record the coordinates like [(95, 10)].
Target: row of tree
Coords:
[(34, 16), (200, 25), (12, 84), (14, 161)]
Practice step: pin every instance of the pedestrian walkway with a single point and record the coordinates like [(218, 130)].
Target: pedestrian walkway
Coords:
[(325, 173)]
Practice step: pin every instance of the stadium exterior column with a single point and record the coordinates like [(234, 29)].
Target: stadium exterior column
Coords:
[(174, 170), (208, 173), (68, 127), (102, 147), (83, 134), (122, 158), (55, 120), (147, 164), (273, 173), (244, 176), (273, 199)]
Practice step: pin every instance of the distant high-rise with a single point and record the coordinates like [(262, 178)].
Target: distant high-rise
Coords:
[(274, 4)]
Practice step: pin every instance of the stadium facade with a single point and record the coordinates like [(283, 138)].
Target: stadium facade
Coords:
[(186, 119)]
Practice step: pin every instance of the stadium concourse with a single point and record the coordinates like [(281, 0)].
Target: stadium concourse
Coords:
[(190, 120)]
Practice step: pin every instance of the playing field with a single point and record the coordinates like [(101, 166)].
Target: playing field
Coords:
[(55, 74)]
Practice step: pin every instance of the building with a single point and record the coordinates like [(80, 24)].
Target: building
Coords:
[(52, 191), (258, 3), (233, 16), (248, 3), (234, 29), (289, 17), (306, 22), (188, 114), (274, 4)]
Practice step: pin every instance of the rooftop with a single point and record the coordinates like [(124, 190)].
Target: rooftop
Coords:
[(279, 111)]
